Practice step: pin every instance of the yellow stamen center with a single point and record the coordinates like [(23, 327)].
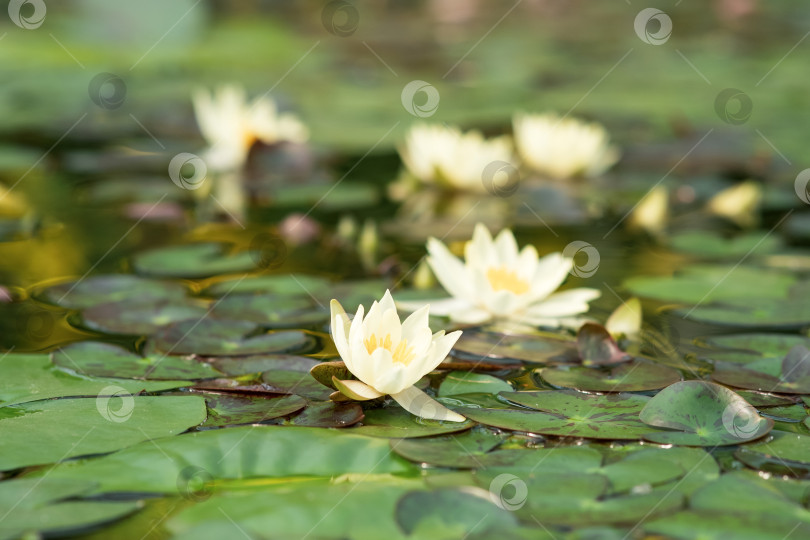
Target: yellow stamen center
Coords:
[(401, 354), (503, 279)]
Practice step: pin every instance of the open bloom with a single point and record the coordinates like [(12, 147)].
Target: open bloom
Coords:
[(446, 157), (231, 125), (389, 356), (563, 148), (498, 281)]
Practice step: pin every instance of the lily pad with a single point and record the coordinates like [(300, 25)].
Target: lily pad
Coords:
[(688, 525), (67, 428), (235, 453), (597, 347), (568, 414), (328, 414), (463, 451), (295, 382), (704, 414), (757, 345), (792, 377), (32, 377), (761, 400), (790, 313), (394, 422), (272, 311), (282, 284), (245, 365), (232, 410), (324, 372), (480, 345), (463, 382), (637, 376), (193, 261), (705, 244), (99, 359), (782, 453), (216, 337), (47, 505), (141, 316), (102, 289)]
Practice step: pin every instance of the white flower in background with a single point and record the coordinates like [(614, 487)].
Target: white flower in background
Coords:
[(389, 356), (739, 203), (446, 157), (563, 148), (231, 125), (499, 282)]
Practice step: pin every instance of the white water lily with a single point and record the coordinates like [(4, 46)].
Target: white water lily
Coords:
[(446, 157), (231, 125), (389, 357), (563, 148), (496, 281)]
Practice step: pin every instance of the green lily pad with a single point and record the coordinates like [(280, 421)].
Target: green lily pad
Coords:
[(782, 453), (753, 346), (691, 524), (790, 413), (141, 316), (281, 285), (232, 410), (193, 261), (463, 450), (445, 513), (67, 428), (216, 337), (790, 313), (761, 400), (597, 347), (492, 346), (103, 289), (568, 414), (99, 359), (324, 372), (32, 377), (641, 469), (47, 505), (636, 376), (271, 311), (713, 283), (464, 382), (235, 453), (245, 365), (295, 382), (394, 422), (704, 414), (330, 196), (790, 376), (328, 414), (706, 244)]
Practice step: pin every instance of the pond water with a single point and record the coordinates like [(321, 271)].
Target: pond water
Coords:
[(168, 365)]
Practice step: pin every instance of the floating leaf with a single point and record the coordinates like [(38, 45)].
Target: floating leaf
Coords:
[(783, 453), (704, 414), (32, 377), (465, 450), (214, 337), (295, 382), (245, 365), (66, 428), (271, 310), (99, 359), (539, 348), (232, 410), (328, 414), (688, 525), (463, 382), (193, 261), (706, 244), (793, 376), (636, 376), (394, 422), (103, 289), (597, 347), (234, 453), (282, 285), (757, 345), (760, 400), (324, 372), (141, 316), (790, 313)]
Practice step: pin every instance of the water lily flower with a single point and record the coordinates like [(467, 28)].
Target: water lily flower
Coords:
[(389, 357), (563, 148), (739, 203), (231, 125), (496, 281), (446, 157)]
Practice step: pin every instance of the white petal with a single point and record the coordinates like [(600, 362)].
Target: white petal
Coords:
[(480, 253), (449, 270), (416, 330), (439, 349), (507, 248), (388, 376), (420, 404), (355, 389), (470, 315), (564, 304), (340, 330), (550, 273)]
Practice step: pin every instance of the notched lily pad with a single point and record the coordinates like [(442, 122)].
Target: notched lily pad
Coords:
[(328, 414), (99, 359), (295, 382), (782, 453), (526, 348), (463, 382), (217, 337), (141, 316), (463, 451), (703, 414), (324, 372), (281, 285), (245, 365), (272, 310), (194, 261), (394, 422), (102, 289), (231, 410), (597, 347), (636, 376), (793, 376)]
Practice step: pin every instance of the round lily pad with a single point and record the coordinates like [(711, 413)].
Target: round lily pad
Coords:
[(709, 245), (464, 382), (790, 313), (272, 310), (328, 414), (691, 524), (790, 376), (568, 414), (704, 414), (194, 261), (782, 453), (245, 365), (634, 376), (761, 400), (463, 450), (394, 422), (324, 372), (217, 337), (102, 289), (281, 285), (231, 410), (295, 382), (478, 345), (753, 346), (141, 316), (106, 360)]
